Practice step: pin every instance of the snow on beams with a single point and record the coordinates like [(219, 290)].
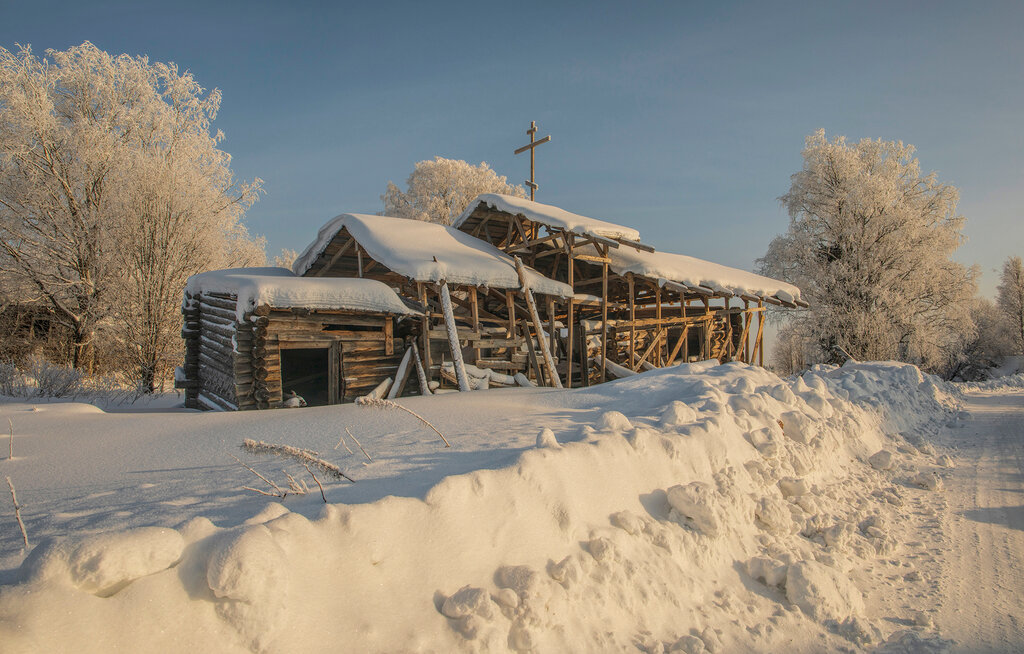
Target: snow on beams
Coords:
[(678, 272), (505, 220), (352, 244)]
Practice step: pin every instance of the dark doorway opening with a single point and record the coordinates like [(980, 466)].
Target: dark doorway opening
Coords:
[(306, 371)]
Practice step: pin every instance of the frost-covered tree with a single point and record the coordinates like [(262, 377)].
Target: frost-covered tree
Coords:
[(869, 244), (1011, 300), (286, 258), (112, 191), (991, 342), (439, 190)]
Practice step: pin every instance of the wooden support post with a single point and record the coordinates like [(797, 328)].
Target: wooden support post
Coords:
[(650, 348), (453, 338), (474, 308), (746, 331), (679, 343), (510, 305), (759, 343), (604, 319), (552, 331), (389, 336), (421, 376), (729, 347), (532, 352), (549, 362), (660, 356), (402, 376), (745, 336), (359, 259), (708, 324), (632, 323), (569, 313), (422, 288), (584, 359)]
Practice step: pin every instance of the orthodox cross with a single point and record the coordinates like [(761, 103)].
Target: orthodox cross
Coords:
[(532, 182)]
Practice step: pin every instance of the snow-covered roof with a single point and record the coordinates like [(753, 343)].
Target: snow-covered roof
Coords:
[(693, 272), (549, 215), (428, 252), (280, 288)]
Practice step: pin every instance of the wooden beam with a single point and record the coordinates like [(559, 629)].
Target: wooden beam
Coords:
[(635, 244), (334, 259), (532, 352), (549, 362), (650, 348), (604, 321), (568, 242), (679, 343), (632, 321), (422, 289)]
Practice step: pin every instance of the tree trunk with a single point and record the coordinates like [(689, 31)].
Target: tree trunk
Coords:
[(83, 353)]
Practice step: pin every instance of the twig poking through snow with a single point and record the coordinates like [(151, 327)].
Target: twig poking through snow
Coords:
[(280, 493), (388, 404), (17, 512), (10, 456), (305, 457), (349, 432), (341, 441), (319, 485)]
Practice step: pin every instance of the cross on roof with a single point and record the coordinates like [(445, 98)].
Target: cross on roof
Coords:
[(532, 183)]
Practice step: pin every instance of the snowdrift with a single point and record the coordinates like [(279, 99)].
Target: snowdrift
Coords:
[(708, 508)]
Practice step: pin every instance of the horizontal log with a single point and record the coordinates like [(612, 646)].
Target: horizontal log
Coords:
[(217, 314), (216, 328), (500, 364), (319, 317), (219, 301)]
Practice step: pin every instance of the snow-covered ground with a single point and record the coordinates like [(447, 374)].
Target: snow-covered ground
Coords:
[(695, 508)]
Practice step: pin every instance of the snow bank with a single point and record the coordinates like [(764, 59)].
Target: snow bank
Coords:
[(281, 289), (549, 215), (693, 508), (428, 252)]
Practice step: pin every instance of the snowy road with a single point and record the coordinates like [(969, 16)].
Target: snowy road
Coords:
[(982, 588)]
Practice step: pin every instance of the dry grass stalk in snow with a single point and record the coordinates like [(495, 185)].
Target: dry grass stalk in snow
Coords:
[(341, 441), (305, 457), (388, 404), (349, 432), (277, 489), (17, 512)]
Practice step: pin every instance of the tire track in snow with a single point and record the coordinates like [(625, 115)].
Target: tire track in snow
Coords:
[(982, 600)]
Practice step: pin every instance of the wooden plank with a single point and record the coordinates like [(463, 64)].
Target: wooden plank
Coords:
[(679, 343), (549, 362), (650, 348), (604, 321), (401, 375), (532, 351), (584, 359), (334, 259), (632, 320)]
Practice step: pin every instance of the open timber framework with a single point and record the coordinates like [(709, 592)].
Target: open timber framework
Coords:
[(515, 292)]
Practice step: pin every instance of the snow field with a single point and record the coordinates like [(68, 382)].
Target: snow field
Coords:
[(705, 509)]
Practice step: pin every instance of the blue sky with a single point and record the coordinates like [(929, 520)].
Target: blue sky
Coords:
[(684, 120)]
